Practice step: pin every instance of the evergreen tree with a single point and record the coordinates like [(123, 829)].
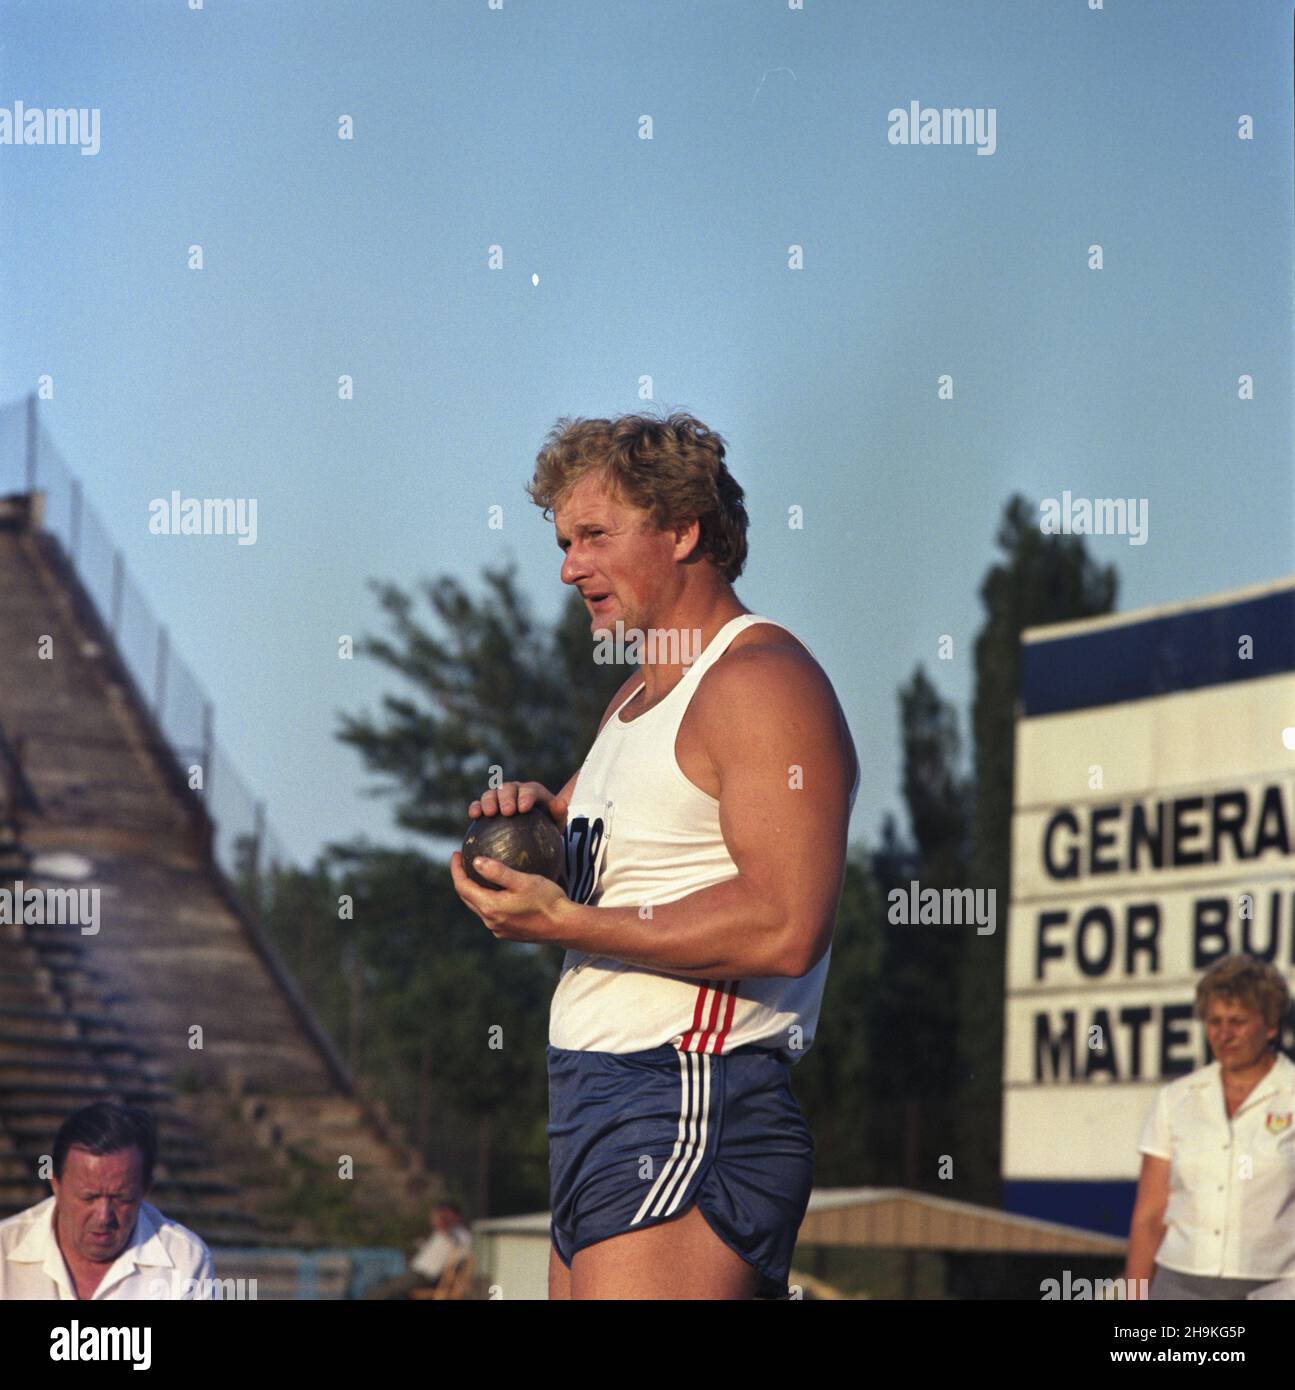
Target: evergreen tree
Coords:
[(834, 1083), (498, 691), (1040, 579), (915, 1016), (453, 1021)]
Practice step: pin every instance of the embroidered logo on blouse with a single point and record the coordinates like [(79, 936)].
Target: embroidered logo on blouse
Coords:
[(1276, 1123)]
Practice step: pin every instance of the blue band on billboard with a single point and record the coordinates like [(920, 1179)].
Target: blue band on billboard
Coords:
[(1090, 1206), (1180, 651)]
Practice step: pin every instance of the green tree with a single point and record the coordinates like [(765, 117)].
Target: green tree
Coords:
[(454, 1019), (447, 1005), (914, 1017), (1040, 579), (834, 1082), (498, 691)]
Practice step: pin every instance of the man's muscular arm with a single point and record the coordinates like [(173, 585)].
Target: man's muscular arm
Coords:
[(773, 731)]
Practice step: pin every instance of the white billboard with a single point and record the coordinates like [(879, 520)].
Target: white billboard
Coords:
[(1153, 831)]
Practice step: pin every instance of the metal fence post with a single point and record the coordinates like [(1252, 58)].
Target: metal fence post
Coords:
[(75, 545), (160, 676), (32, 426), (258, 838), (307, 1276), (208, 743), (117, 576)]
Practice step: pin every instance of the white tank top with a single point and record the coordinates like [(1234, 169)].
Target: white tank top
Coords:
[(638, 831)]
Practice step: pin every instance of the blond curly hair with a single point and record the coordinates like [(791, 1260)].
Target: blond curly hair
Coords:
[(672, 468)]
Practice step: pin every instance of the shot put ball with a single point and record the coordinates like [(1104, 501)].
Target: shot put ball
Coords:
[(529, 842)]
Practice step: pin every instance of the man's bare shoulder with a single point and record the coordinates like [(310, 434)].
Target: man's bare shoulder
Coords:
[(761, 635), (769, 690), (764, 670), (767, 676), (762, 655)]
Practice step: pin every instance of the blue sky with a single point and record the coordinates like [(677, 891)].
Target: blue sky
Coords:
[(665, 258)]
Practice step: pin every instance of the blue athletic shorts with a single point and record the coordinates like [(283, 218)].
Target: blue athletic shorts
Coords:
[(635, 1137)]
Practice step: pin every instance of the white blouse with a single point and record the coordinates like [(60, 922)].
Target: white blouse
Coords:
[(1231, 1209)]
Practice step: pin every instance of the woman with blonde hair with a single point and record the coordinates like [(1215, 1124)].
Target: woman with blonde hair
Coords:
[(1215, 1211)]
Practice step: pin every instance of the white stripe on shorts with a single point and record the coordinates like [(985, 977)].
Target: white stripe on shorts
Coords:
[(690, 1145)]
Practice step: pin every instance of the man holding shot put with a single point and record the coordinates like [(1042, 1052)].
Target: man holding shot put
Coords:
[(705, 841)]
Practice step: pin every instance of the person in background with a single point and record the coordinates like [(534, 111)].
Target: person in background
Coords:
[(450, 1243), (438, 1257), (1214, 1216), (97, 1238)]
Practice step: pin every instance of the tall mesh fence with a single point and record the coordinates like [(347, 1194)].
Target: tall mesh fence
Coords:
[(13, 445), (245, 846)]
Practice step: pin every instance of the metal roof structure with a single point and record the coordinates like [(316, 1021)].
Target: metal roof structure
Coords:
[(894, 1218)]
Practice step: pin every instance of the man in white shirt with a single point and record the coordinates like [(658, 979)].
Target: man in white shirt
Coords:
[(96, 1238), (443, 1251), (449, 1244)]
